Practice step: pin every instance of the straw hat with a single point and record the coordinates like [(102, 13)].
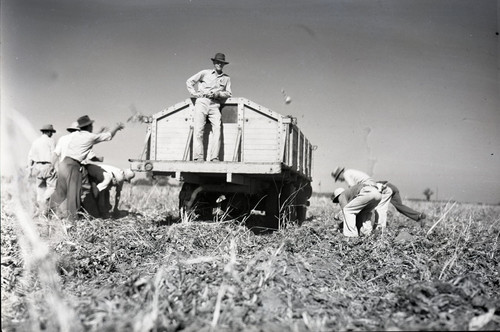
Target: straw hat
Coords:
[(48, 127), (337, 172), (73, 127), (336, 194)]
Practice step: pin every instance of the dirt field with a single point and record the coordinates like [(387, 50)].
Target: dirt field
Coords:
[(143, 273)]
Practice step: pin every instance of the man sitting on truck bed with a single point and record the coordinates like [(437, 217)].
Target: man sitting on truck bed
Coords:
[(213, 87)]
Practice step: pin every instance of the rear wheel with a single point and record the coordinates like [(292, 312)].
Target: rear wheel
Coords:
[(194, 203)]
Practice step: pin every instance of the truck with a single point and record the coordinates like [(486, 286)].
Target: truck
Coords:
[(264, 169)]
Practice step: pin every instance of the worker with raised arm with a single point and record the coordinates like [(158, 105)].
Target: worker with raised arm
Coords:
[(69, 181)]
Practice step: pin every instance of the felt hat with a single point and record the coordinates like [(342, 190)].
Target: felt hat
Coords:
[(84, 121), (337, 172), (220, 57), (48, 127), (336, 194), (73, 127)]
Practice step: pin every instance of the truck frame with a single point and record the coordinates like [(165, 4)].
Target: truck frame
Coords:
[(264, 169)]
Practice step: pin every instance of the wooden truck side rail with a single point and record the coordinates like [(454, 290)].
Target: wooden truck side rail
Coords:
[(252, 134)]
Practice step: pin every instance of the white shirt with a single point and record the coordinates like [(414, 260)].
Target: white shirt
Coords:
[(42, 149), (62, 147), (209, 81), (81, 143), (110, 173), (353, 177)]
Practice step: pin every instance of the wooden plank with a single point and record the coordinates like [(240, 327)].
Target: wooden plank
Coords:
[(171, 154), (257, 138), (259, 146), (256, 144), (261, 111), (264, 134), (300, 149), (259, 121), (228, 136), (176, 136), (174, 127), (261, 153), (183, 106), (209, 167), (172, 134), (166, 148), (295, 138), (249, 135), (173, 143), (260, 156)]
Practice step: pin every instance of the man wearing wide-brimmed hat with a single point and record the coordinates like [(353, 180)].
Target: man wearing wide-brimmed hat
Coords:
[(69, 181), (357, 204), (41, 166), (353, 177), (210, 87), (63, 142)]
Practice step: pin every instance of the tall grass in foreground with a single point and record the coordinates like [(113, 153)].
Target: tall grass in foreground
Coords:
[(143, 273)]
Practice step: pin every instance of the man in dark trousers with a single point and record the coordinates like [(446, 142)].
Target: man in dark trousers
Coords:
[(102, 178), (403, 209), (69, 181)]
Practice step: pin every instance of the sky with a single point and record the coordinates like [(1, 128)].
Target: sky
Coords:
[(404, 90)]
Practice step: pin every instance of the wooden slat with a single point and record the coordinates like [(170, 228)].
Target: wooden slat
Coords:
[(258, 123), (208, 167), (260, 156), (260, 152), (249, 134), (256, 111), (262, 145), (229, 134), (300, 149), (173, 129), (295, 138)]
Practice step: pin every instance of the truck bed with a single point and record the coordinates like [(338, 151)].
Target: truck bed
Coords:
[(254, 140)]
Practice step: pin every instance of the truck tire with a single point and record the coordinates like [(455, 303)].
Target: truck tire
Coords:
[(195, 203), (272, 208)]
